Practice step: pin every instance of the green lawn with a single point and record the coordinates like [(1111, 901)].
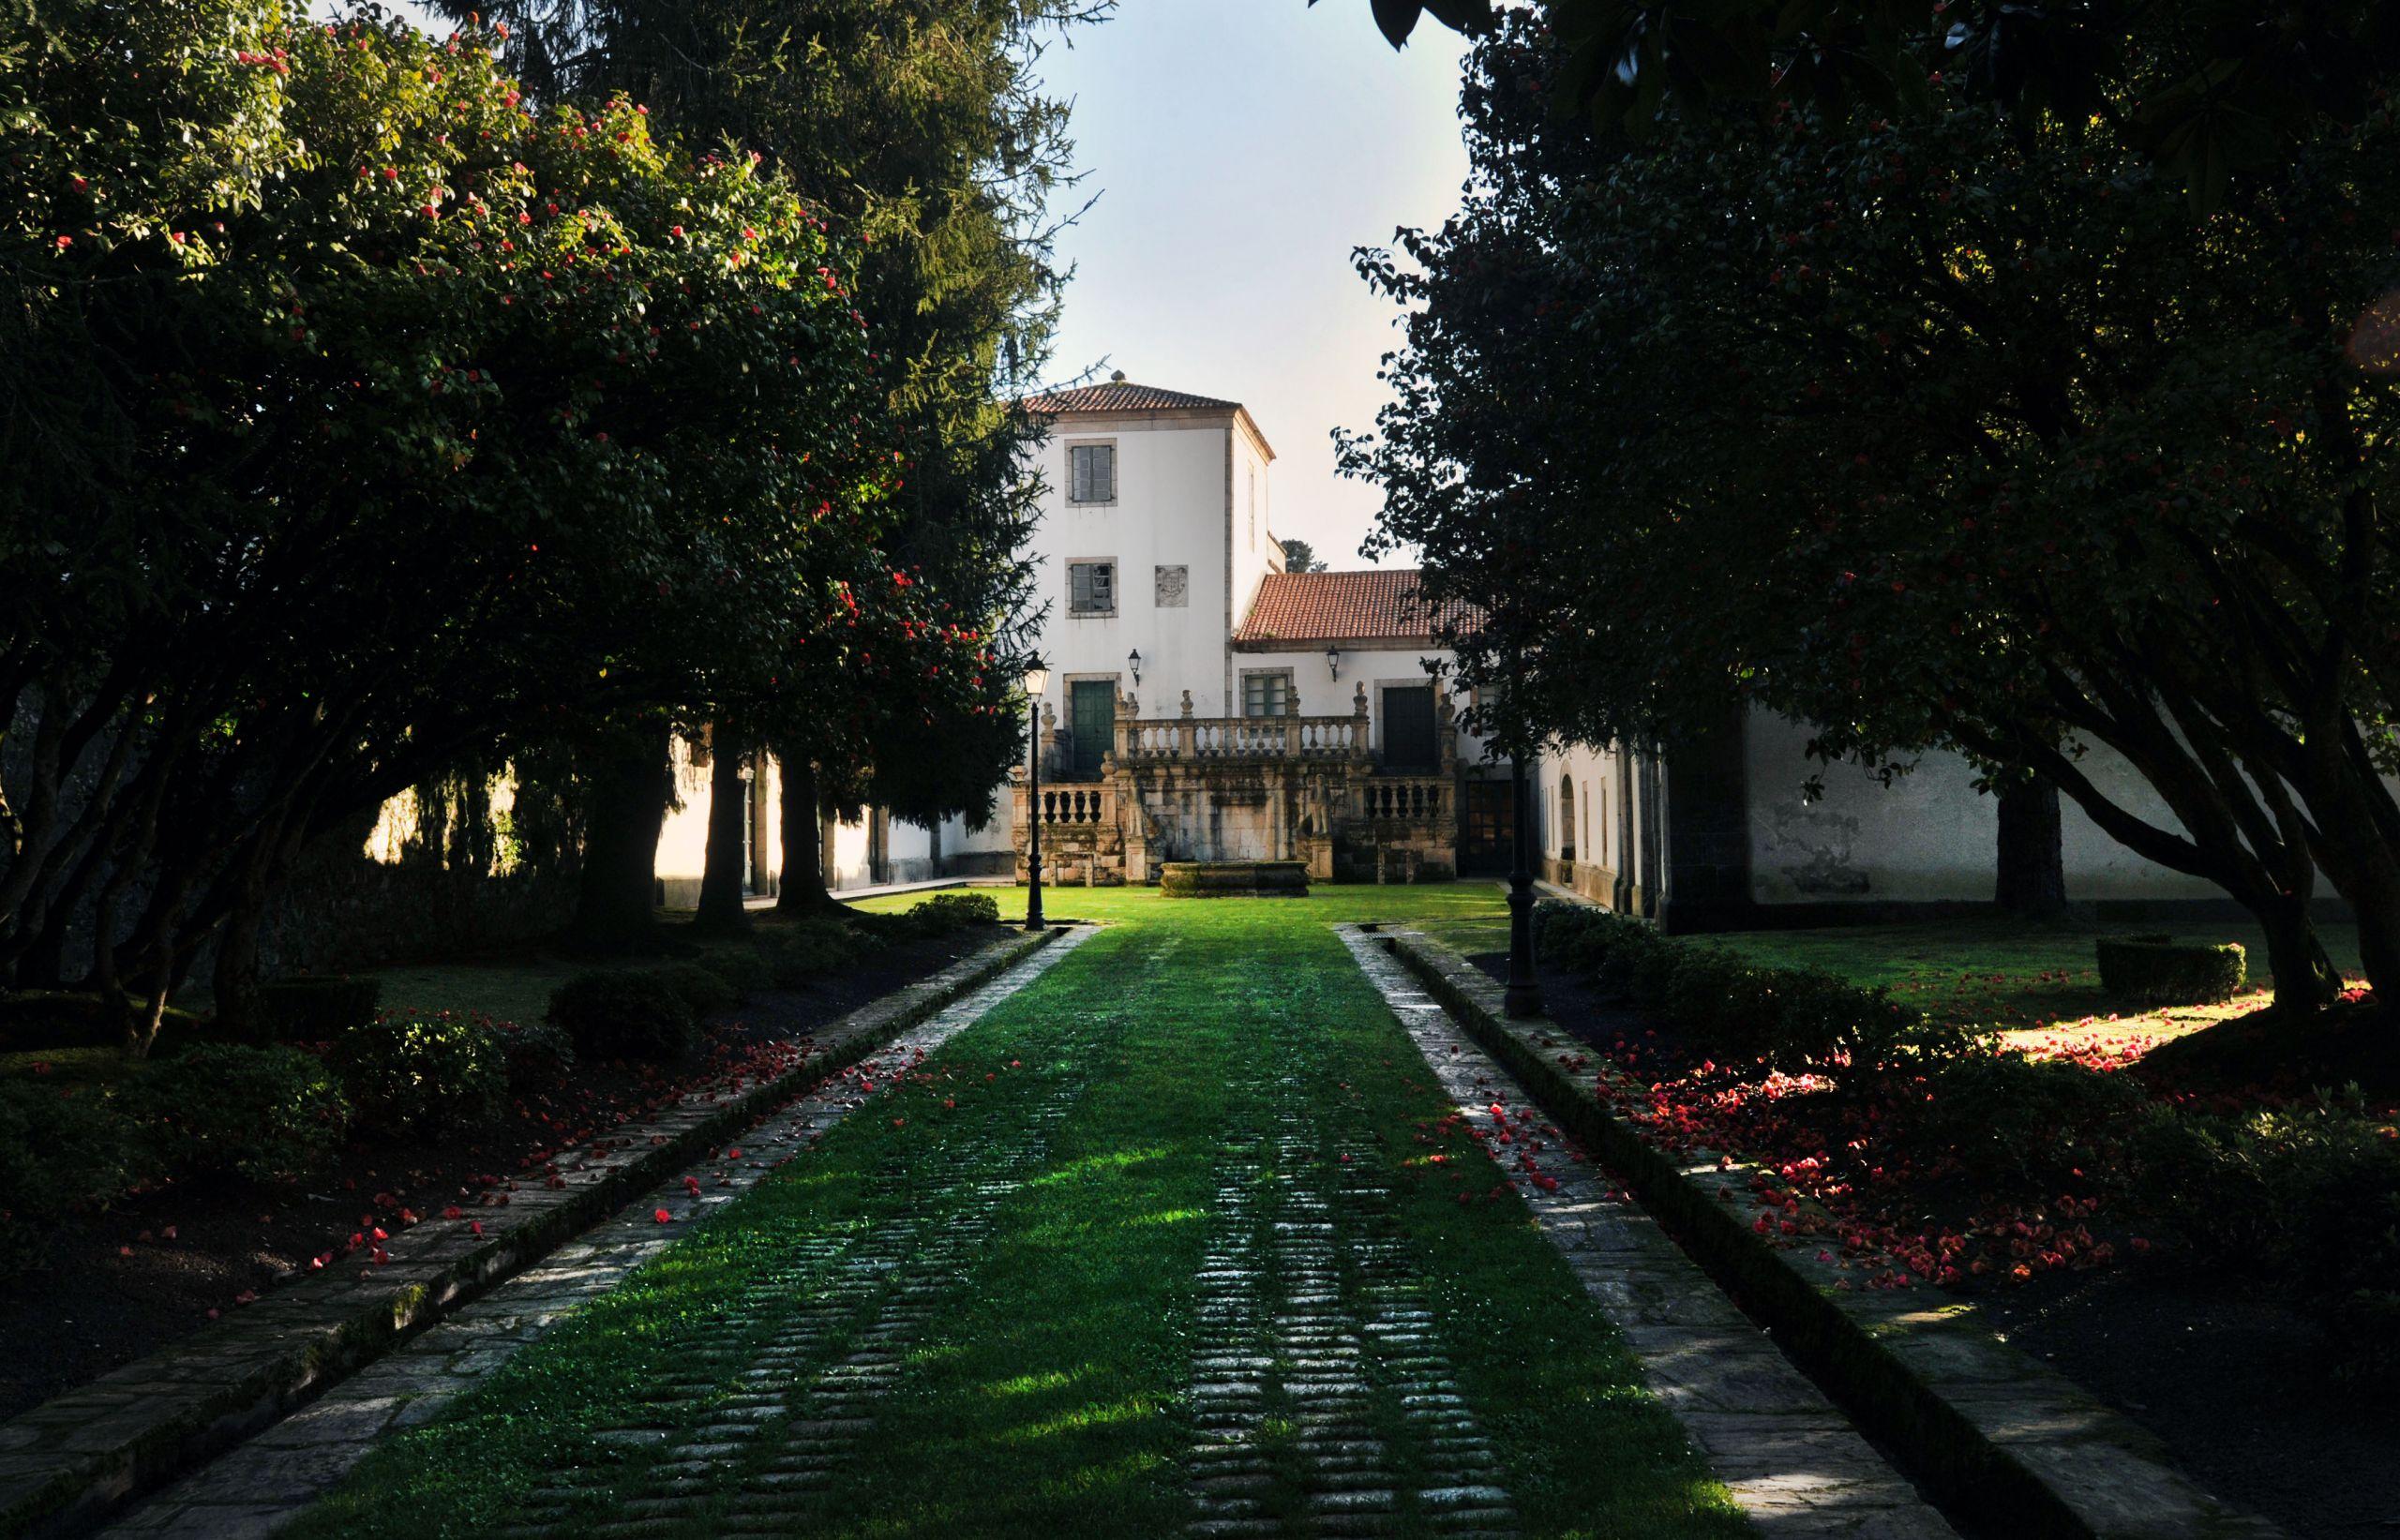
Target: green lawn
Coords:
[(2015, 975), (1046, 1394)]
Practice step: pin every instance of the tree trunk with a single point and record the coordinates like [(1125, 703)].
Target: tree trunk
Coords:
[(803, 888), (2032, 883), (2304, 978), (616, 892), (721, 878)]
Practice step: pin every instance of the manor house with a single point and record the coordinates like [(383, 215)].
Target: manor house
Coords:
[(1206, 703)]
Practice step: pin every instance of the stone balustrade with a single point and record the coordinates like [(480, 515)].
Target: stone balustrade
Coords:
[(1193, 740), (1404, 799)]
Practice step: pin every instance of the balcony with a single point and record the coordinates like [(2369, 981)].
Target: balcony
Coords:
[(1263, 739)]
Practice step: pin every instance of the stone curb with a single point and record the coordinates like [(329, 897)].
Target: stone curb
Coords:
[(1987, 1430), (67, 1463)]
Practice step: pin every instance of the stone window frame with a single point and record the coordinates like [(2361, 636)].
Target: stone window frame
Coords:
[(1291, 693), (1116, 472), (1116, 587)]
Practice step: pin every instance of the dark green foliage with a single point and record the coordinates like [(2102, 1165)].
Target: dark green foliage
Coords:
[(619, 1013), (60, 1155), (2158, 970), (2050, 1123), (264, 1113), (2309, 1198), (1794, 1018), (538, 1054), (871, 928), (798, 954), (743, 971), (421, 1074), (316, 1010), (702, 988), (946, 912)]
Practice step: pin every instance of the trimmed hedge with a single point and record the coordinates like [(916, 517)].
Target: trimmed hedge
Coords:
[(420, 1074), (537, 1054), (1794, 1018), (702, 988), (743, 969), (62, 1152), (266, 1113), (2159, 970), (947, 912), (316, 1010), (809, 950), (621, 1014)]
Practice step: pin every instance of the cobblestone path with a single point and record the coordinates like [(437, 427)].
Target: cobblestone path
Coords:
[(1180, 1235), (1323, 1400)]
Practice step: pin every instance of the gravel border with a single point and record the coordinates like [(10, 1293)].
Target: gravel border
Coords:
[(2000, 1438), (68, 1464)]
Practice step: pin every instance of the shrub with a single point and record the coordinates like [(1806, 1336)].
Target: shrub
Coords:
[(537, 1054), (2158, 970), (946, 912), (2311, 1193), (266, 1114), (60, 1155), (422, 1073), (2040, 1122), (702, 988), (2309, 1197), (870, 929), (625, 1013), (742, 970), (316, 1010), (1578, 938), (809, 950)]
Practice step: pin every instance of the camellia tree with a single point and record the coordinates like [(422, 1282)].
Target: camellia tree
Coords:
[(1959, 428), (389, 420), (924, 128)]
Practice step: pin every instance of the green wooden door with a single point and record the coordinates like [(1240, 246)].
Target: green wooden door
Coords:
[(1092, 721), (1409, 742)]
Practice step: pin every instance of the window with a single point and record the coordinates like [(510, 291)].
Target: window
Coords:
[(1091, 473), (1266, 695), (1091, 587), (1566, 819)]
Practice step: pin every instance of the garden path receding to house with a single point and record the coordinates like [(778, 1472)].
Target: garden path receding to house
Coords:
[(1183, 1237), (123, 1283)]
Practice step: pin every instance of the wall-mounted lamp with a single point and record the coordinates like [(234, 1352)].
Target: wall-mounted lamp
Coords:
[(1134, 665), (1333, 660)]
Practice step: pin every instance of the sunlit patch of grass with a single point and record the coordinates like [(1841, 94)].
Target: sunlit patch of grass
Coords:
[(2038, 985), (1023, 1385)]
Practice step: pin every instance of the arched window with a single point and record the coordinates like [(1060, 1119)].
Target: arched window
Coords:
[(1566, 819)]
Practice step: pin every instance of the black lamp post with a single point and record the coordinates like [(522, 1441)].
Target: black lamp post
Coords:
[(1037, 680)]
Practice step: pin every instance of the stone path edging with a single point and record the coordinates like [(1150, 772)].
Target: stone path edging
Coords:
[(66, 1465), (1984, 1427), (895, 1274), (1798, 1468)]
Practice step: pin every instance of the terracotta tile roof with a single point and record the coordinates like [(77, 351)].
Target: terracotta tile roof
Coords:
[(1304, 607), (1123, 396)]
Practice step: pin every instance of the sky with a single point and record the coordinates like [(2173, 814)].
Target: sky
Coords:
[(1241, 149)]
